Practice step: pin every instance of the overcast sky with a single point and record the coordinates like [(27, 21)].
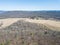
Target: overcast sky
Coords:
[(30, 5)]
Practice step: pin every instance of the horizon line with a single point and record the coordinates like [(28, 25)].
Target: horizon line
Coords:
[(29, 10)]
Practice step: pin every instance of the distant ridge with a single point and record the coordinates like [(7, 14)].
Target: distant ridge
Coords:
[(20, 14), (1, 11)]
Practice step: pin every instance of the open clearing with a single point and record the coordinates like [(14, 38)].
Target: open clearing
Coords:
[(49, 23), (8, 21), (52, 24)]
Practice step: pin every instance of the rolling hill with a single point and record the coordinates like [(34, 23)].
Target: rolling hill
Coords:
[(24, 31)]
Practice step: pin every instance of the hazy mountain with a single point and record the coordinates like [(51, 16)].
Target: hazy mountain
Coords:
[(18, 14), (2, 12)]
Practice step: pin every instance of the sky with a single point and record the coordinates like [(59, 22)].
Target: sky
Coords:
[(29, 5)]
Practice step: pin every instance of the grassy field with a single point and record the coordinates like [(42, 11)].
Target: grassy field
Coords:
[(51, 23)]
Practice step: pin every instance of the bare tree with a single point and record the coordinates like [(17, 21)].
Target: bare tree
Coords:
[(1, 23)]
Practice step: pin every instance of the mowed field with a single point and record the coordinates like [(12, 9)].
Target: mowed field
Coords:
[(52, 24)]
